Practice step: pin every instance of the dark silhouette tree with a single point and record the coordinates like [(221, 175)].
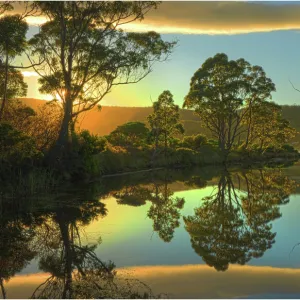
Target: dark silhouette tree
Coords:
[(86, 53), (15, 250), (76, 271), (12, 43)]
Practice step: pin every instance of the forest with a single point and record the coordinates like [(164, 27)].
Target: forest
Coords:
[(80, 54)]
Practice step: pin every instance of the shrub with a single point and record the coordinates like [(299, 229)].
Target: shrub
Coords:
[(16, 149), (194, 142), (85, 147), (288, 148)]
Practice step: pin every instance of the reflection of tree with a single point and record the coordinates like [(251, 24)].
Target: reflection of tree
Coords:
[(133, 195), (76, 271), (165, 211), (232, 226), (15, 252)]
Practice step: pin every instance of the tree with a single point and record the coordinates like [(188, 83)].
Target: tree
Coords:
[(12, 43), (269, 127), (85, 53), (222, 92), (131, 133), (164, 121)]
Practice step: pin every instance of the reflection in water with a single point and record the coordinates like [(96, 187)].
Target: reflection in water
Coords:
[(15, 252), (232, 224), (164, 210)]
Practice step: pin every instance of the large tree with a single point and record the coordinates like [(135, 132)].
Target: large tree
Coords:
[(85, 53), (222, 92)]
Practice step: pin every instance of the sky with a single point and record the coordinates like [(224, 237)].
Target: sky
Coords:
[(263, 33)]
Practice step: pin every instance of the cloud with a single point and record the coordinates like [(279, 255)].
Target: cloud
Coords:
[(220, 17), (210, 17), (29, 74)]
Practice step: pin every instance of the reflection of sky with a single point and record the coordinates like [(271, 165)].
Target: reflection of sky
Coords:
[(128, 238), (129, 241), (194, 281)]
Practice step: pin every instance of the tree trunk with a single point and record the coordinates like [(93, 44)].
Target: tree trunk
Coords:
[(5, 88), (249, 129), (2, 289), (62, 148), (166, 144)]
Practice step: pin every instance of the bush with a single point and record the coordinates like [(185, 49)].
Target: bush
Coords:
[(194, 142), (85, 147), (289, 148), (16, 149), (185, 156)]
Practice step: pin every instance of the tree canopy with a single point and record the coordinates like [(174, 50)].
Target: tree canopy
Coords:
[(222, 91)]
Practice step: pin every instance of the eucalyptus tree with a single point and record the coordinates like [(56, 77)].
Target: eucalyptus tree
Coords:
[(86, 53), (269, 127), (222, 92), (12, 43), (164, 121)]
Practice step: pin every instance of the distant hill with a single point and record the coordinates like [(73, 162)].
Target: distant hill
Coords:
[(109, 117)]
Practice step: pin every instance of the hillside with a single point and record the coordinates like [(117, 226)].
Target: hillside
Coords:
[(104, 121)]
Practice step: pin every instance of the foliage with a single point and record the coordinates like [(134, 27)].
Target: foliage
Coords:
[(85, 53), (221, 92), (194, 142), (12, 43), (232, 226), (269, 127), (164, 121), (16, 87), (85, 147), (129, 134), (16, 149)]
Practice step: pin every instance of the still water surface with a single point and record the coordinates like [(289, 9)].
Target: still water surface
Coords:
[(208, 233)]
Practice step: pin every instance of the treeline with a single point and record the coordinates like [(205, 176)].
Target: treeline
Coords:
[(80, 53)]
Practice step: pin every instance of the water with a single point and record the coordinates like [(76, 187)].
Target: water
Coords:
[(206, 233)]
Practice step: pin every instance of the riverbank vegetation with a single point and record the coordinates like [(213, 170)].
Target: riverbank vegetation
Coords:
[(80, 54)]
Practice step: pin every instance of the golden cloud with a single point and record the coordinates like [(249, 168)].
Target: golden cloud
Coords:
[(219, 17), (209, 17)]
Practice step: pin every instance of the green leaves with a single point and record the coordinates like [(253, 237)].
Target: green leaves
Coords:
[(12, 35), (222, 93), (164, 121)]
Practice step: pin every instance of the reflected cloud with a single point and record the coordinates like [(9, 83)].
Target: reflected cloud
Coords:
[(193, 281)]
